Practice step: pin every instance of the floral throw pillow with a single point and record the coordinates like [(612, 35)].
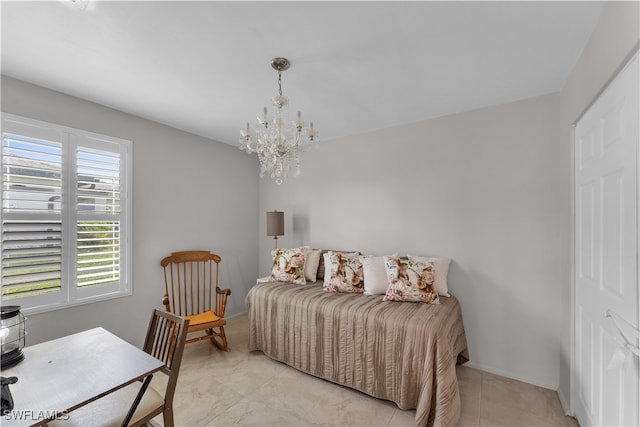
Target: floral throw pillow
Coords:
[(410, 281), (345, 273), (442, 268), (288, 265)]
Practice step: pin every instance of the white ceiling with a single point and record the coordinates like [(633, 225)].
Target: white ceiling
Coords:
[(204, 66)]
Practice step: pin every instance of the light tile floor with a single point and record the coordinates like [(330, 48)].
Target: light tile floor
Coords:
[(249, 389)]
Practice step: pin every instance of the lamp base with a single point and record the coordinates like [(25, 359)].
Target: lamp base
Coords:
[(11, 358)]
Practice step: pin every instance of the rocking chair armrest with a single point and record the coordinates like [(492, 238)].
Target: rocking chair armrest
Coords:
[(223, 291), (221, 300)]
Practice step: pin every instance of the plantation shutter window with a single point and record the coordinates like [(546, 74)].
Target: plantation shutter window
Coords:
[(65, 215)]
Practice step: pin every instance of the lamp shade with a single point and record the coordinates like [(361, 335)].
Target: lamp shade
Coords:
[(275, 223)]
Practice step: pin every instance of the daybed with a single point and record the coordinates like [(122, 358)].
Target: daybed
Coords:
[(405, 352)]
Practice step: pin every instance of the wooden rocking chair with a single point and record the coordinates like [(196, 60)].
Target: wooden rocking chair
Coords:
[(192, 291)]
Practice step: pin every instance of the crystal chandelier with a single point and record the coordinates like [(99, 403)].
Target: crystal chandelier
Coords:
[(277, 141)]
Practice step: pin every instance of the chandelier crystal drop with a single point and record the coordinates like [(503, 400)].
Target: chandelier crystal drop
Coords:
[(277, 141)]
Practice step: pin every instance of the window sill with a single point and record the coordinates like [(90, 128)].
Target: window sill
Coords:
[(53, 307)]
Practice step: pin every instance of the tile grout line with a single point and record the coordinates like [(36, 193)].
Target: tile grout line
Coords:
[(480, 397)]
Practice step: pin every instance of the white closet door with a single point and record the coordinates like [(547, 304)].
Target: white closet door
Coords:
[(606, 248)]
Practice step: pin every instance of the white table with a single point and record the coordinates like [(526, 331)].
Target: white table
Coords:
[(61, 375)]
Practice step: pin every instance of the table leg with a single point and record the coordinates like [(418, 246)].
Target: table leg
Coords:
[(136, 401)]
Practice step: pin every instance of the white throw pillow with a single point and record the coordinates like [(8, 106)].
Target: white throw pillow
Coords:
[(327, 270), (375, 275), (311, 262), (442, 269)]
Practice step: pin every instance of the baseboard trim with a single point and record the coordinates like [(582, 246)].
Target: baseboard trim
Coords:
[(236, 315), (510, 375), (565, 405)]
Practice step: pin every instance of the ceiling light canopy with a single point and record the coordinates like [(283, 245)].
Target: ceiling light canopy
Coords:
[(80, 4), (277, 141)]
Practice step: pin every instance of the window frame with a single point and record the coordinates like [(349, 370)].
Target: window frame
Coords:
[(70, 139)]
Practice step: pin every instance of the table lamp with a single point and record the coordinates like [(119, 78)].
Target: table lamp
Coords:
[(12, 333), (275, 225)]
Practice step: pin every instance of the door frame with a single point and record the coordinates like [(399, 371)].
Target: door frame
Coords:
[(571, 405)]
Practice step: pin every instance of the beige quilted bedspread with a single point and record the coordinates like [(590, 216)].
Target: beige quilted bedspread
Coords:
[(400, 351)]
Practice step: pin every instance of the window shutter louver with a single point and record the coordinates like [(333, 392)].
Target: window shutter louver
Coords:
[(31, 175), (98, 252), (98, 227), (32, 187), (98, 181), (31, 257)]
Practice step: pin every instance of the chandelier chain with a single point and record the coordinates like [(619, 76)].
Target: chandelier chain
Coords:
[(279, 82)]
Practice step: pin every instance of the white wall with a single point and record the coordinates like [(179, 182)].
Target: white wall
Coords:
[(188, 193), (479, 187), (614, 39)]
